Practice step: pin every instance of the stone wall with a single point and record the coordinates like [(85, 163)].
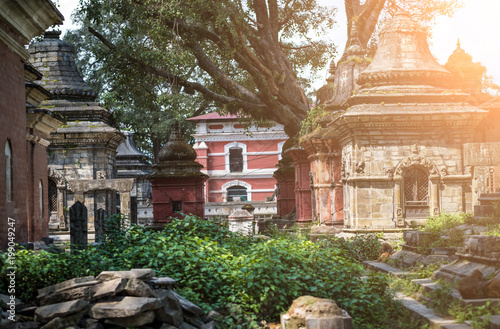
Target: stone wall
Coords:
[(374, 166), (487, 246)]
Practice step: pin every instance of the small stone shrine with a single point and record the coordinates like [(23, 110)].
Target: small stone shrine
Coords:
[(132, 163), (82, 152), (177, 182), (400, 151)]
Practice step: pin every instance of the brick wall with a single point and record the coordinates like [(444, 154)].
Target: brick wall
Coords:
[(12, 129)]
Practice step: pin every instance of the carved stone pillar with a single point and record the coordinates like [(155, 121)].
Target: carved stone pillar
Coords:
[(398, 207), (338, 188), (125, 204), (303, 202), (320, 162)]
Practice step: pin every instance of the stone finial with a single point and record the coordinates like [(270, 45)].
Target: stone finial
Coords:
[(331, 70), (177, 149), (468, 74), (53, 34)]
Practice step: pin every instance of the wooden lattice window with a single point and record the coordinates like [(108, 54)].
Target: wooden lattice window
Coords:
[(52, 195), (416, 182)]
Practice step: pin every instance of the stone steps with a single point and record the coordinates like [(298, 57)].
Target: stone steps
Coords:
[(428, 285), (377, 266), (427, 314), (416, 308)]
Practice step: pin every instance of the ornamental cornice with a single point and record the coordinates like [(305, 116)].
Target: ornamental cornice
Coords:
[(232, 138), (438, 78), (85, 142)]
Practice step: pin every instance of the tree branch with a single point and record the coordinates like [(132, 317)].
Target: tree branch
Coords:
[(249, 106)]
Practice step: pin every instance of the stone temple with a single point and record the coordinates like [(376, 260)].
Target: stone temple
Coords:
[(82, 153), (397, 150)]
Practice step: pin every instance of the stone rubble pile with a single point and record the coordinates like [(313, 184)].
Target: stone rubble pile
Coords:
[(118, 299)]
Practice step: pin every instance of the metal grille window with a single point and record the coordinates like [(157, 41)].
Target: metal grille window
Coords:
[(237, 193), (416, 193), (416, 186), (235, 159), (52, 195)]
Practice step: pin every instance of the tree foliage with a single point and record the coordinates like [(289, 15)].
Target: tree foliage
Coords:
[(248, 56), (141, 102), (254, 57)]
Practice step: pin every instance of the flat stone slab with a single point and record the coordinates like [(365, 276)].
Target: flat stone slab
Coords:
[(384, 268), (109, 288), (425, 313), (69, 284), (138, 320), (129, 306), (187, 305), (164, 282), (495, 322), (136, 273), (456, 326), (138, 288), (82, 292), (49, 312), (429, 285), (61, 323)]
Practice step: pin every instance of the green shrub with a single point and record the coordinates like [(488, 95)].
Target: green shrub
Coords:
[(245, 278), (360, 248), (443, 231)]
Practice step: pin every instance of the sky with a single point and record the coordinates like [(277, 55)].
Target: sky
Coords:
[(476, 24)]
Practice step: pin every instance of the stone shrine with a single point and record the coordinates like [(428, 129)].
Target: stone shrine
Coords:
[(82, 152), (398, 147), (177, 181), (132, 163)]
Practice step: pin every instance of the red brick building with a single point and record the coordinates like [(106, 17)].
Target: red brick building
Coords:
[(240, 160), (23, 128)]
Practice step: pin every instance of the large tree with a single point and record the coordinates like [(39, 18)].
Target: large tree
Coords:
[(251, 56)]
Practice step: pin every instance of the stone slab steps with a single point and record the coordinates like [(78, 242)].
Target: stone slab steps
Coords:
[(417, 309), (384, 268), (428, 315), (428, 285)]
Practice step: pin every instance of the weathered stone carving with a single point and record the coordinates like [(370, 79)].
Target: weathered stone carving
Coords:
[(360, 167), (399, 217), (100, 215), (78, 225), (56, 175), (416, 160)]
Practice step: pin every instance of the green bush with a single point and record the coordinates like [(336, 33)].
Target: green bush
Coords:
[(360, 248), (444, 231), (245, 278)]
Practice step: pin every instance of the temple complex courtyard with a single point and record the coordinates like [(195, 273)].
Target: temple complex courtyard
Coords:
[(168, 165)]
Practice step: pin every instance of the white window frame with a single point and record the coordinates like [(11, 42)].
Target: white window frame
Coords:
[(243, 148), (236, 182)]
